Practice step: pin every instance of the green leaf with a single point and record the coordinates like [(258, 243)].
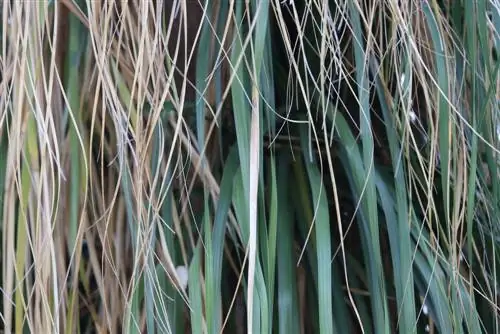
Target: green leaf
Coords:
[(195, 296), (215, 240), (323, 243)]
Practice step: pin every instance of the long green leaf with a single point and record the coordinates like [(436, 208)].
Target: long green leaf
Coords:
[(323, 244), (368, 191), (195, 296), (213, 272)]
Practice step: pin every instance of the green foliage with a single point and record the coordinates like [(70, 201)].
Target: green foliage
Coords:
[(250, 166)]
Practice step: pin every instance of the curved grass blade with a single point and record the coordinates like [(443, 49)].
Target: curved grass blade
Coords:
[(397, 216), (365, 181), (353, 165), (213, 272), (323, 245)]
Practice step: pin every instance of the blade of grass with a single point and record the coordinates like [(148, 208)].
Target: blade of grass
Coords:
[(403, 280), (368, 191), (272, 238), (203, 63), (447, 141), (132, 314), (430, 283), (357, 282), (213, 272), (3, 170), (150, 285), (353, 165), (195, 294), (287, 299), (175, 302), (444, 125), (77, 42), (321, 223), (239, 89), (22, 222), (260, 316), (471, 42), (399, 233), (158, 315), (76, 48)]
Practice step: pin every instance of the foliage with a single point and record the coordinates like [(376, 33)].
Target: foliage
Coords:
[(262, 166)]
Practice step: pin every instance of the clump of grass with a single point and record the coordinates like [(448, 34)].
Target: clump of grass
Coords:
[(260, 166)]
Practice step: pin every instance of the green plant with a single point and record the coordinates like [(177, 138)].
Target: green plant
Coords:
[(261, 166)]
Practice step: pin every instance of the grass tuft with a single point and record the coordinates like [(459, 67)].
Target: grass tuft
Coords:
[(250, 166)]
